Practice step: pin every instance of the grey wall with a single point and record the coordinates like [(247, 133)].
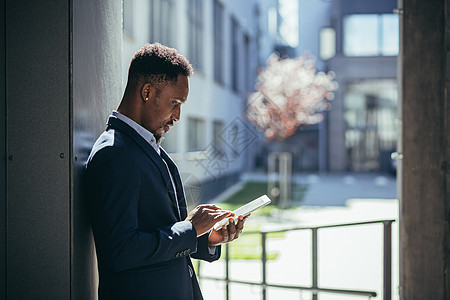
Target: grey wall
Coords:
[(38, 142), (2, 154), (425, 177), (60, 76), (97, 76)]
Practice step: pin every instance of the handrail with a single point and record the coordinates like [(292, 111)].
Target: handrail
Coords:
[(318, 227), (315, 289)]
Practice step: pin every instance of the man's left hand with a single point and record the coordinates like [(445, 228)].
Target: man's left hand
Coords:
[(227, 233)]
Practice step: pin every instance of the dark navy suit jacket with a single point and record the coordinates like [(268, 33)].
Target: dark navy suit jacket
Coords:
[(143, 245)]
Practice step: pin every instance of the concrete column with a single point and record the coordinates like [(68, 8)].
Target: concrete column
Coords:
[(424, 203), (97, 90), (60, 76), (38, 236), (2, 152)]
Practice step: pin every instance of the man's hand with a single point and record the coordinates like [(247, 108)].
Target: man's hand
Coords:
[(227, 233), (203, 217)]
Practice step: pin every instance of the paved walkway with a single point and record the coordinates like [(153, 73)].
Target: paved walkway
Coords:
[(349, 258), (336, 189)]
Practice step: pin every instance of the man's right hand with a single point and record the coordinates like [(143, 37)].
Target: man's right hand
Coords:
[(204, 216)]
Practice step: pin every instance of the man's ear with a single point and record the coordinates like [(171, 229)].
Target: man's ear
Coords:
[(147, 91)]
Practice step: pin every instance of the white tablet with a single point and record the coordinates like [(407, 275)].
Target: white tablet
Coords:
[(245, 210)]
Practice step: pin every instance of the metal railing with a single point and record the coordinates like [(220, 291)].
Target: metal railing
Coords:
[(314, 288)]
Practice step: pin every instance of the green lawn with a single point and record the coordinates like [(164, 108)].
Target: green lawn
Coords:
[(248, 246), (252, 190)]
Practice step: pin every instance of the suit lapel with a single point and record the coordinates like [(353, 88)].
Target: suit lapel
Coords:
[(115, 123), (178, 183)]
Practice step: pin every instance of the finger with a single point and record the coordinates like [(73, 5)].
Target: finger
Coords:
[(218, 216), (239, 226), (210, 206), (232, 229), (244, 219), (212, 209), (207, 212), (215, 210), (224, 233)]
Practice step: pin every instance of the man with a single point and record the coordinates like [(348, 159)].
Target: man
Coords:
[(143, 235)]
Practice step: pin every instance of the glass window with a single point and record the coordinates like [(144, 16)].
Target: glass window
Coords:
[(127, 23), (288, 22), (217, 131), (196, 134), (327, 43), (390, 34), (371, 35), (195, 33), (246, 64), (234, 55), (272, 22), (361, 35), (370, 113), (161, 21), (218, 41)]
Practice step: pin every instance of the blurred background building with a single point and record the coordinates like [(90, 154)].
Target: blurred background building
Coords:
[(227, 41), (359, 42), (362, 124)]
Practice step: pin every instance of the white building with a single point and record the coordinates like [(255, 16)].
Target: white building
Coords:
[(226, 41)]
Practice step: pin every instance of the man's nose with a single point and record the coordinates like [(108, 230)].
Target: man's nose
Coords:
[(176, 114)]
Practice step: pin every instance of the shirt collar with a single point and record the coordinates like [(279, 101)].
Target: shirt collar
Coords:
[(146, 135)]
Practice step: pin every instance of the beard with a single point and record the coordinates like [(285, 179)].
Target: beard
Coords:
[(159, 138)]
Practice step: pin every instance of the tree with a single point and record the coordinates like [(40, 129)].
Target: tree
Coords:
[(289, 93)]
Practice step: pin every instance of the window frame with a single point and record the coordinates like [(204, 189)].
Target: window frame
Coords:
[(195, 32), (379, 51), (218, 41), (161, 26)]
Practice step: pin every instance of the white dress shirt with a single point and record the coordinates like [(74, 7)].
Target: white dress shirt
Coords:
[(147, 135), (150, 138)]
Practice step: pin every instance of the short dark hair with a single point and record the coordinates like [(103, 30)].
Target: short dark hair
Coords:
[(158, 64)]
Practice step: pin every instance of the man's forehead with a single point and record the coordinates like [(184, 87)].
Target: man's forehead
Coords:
[(178, 92)]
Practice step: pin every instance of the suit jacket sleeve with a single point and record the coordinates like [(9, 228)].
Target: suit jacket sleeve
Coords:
[(203, 250), (112, 191)]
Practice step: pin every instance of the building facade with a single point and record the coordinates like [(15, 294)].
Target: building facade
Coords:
[(362, 125), (225, 41), (359, 42), (228, 40)]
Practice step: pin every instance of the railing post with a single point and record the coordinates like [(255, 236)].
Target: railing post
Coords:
[(387, 261), (314, 288), (314, 263), (264, 261), (227, 271)]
